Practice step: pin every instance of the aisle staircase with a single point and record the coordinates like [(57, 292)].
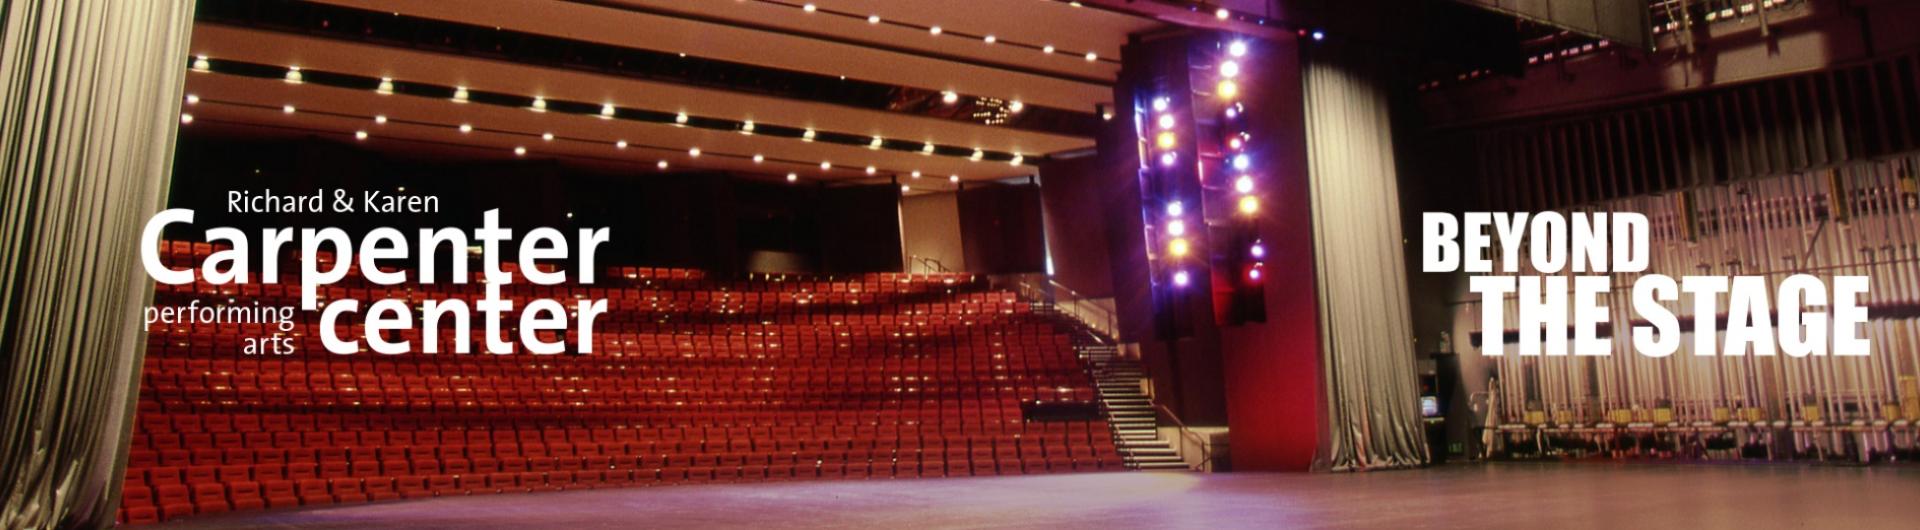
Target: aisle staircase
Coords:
[(1121, 386)]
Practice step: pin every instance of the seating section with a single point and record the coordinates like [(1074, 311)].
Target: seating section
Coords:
[(693, 379)]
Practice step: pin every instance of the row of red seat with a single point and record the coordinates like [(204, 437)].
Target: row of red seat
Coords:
[(694, 378)]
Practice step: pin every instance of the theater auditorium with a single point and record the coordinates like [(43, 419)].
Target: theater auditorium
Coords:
[(382, 264)]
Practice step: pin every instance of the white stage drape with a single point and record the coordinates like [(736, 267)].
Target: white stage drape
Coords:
[(1368, 357), (92, 91)]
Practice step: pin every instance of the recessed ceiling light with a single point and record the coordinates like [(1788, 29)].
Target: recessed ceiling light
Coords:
[(934, 30), (873, 19), (519, 151), (990, 39), (186, 118), (680, 118), (916, 173), (465, 128), (793, 177), (286, 109), (606, 110), (1222, 13), (460, 94), (620, 144), (661, 164), (359, 135), (953, 178), (380, 119), (1091, 57), (695, 152), (547, 137), (826, 165), (949, 97), (1016, 106), (192, 99), (809, 8), (1046, 49), (759, 158), (871, 170)]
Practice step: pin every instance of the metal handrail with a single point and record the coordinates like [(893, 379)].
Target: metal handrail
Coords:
[(1067, 301), (1206, 449), (929, 263)]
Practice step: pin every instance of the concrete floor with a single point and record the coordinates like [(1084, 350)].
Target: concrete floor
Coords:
[(1539, 496)]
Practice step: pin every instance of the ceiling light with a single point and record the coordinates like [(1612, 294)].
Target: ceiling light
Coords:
[(1227, 89), (465, 128), (381, 119), (759, 158), (791, 177), (949, 97), (1168, 158), (1175, 209), (1319, 35), (293, 75), (286, 109), (1249, 205), (873, 19), (977, 155), (904, 188), (916, 173), (359, 135), (1047, 49), (1237, 48), (747, 127), (876, 143), (1241, 162), (1244, 184), (1017, 159), (622, 144), (953, 178), (386, 86), (539, 104), (1222, 13), (927, 149), (1166, 121), (807, 135), (694, 153), (1091, 57), (460, 94), (519, 151), (871, 170), (934, 30), (990, 39), (1160, 104), (1016, 106), (1166, 140), (661, 164), (547, 137), (1179, 247), (680, 118), (606, 110), (826, 165), (192, 99), (200, 63), (1176, 227), (809, 8), (1181, 278), (186, 119), (1229, 69)]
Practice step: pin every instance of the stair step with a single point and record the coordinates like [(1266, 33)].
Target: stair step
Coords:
[(1161, 465)]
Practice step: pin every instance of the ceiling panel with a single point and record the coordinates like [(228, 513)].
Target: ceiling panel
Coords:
[(760, 33)]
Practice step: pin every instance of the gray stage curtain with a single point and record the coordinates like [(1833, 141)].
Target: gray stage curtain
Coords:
[(1373, 419), (92, 91)]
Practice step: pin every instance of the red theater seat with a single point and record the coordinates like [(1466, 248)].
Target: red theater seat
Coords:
[(831, 377)]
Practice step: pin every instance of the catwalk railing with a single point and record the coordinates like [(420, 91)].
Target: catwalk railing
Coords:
[(1856, 220)]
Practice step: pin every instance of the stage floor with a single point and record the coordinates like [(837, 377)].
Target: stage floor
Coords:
[(1546, 496)]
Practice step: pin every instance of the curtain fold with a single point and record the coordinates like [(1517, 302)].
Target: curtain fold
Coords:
[(92, 92), (1368, 367)]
